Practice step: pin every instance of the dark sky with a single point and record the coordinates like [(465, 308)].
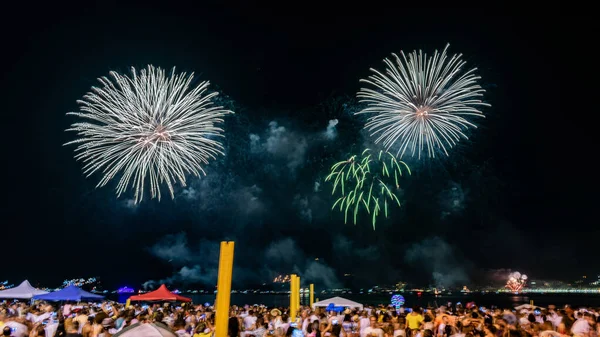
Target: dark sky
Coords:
[(502, 200)]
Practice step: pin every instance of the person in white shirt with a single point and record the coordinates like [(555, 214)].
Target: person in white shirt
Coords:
[(363, 323), (17, 329), (582, 324), (284, 325), (373, 330), (179, 327), (249, 322), (305, 322), (441, 330)]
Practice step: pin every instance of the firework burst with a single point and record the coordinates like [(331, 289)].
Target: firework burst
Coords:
[(368, 182), (150, 129), (516, 282), (421, 103)]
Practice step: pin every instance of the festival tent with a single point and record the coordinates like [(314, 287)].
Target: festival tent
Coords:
[(23, 291), (338, 302), (146, 330), (528, 306), (70, 293), (160, 294)]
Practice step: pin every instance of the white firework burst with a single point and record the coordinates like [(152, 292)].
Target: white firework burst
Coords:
[(150, 128), (421, 102)]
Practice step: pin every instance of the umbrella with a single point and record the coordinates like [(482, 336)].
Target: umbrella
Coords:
[(146, 330)]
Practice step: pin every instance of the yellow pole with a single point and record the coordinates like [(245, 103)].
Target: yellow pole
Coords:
[(312, 294), (298, 299), (293, 301), (224, 288)]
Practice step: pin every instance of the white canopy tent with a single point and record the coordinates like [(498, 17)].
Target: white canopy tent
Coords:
[(528, 306), (24, 291), (338, 302), (146, 330)]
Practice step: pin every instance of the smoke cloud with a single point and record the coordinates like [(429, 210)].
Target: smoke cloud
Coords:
[(452, 200), (441, 260), (269, 195), (199, 264), (331, 131)]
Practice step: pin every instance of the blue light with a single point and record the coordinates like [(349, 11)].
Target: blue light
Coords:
[(124, 290)]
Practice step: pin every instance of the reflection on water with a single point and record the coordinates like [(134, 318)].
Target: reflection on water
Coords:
[(425, 300), (519, 299)]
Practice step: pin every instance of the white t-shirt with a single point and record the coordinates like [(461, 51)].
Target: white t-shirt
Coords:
[(284, 327), (368, 332), (364, 323), (42, 317), (20, 330), (305, 324), (182, 333), (399, 333), (580, 327), (67, 310), (441, 329), (249, 321), (555, 319)]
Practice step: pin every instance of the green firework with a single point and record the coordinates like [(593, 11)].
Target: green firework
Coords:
[(363, 183)]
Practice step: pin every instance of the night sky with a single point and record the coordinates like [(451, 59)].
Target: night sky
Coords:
[(502, 200)]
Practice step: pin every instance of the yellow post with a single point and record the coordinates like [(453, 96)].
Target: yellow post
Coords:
[(298, 299), (311, 294), (293, 301), (224, 288)]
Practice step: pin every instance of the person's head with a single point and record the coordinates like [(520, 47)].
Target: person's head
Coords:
[(179, 324), (315, 326), (100, 317), (108, 323), (40, 331), (6, 331), (200, 327), (309, 328), (547, 326), (73, 327), (336, 329), (591, 319)]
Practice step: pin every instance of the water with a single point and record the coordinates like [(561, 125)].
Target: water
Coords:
[(425, 300)]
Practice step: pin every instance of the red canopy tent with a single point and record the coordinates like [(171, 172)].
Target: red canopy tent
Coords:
[(160, 294)]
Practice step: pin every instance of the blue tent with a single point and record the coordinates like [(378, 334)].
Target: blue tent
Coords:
[(70, 293)]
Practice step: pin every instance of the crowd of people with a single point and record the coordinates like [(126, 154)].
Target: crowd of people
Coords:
[(43, 319)]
